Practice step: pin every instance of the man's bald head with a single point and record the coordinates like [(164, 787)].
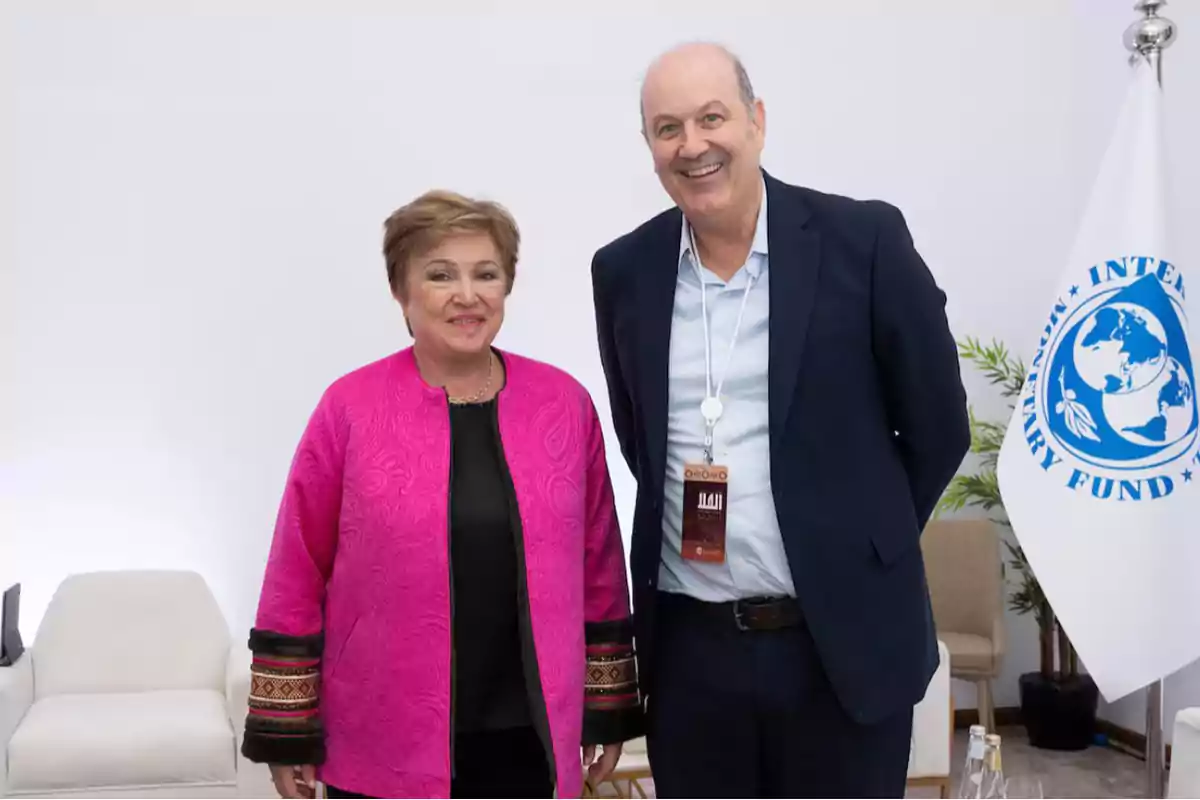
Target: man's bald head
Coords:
[(705, 129), (687, 58)]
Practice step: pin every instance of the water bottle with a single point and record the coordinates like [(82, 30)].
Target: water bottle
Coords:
[(971, 784), (993, 783)]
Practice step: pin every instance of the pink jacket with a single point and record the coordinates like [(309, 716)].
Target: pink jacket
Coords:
[(352, 638)]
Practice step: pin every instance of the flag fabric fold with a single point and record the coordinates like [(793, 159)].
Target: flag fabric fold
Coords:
[(1099, 470)]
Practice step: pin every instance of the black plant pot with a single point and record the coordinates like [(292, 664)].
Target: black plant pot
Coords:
[(1059, 712)]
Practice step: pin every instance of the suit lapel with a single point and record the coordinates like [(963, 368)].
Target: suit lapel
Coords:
[(795, 254), (656, 306)]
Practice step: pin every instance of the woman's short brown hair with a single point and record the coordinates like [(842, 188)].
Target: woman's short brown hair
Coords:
[(422, 224)]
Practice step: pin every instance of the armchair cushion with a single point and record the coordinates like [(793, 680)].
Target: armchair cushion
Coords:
[(971, 654), (170, 738)]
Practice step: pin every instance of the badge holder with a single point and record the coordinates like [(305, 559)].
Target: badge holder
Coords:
[(705, 498)]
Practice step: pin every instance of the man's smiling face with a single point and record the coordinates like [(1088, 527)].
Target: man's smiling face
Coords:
[(705, 137)]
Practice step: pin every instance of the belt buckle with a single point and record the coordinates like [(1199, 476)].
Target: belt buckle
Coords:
[(737, 616)]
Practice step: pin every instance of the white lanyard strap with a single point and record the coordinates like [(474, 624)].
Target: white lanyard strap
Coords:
[(710, 421)]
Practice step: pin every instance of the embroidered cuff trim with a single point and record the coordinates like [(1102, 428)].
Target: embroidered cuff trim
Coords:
[(283, 724)]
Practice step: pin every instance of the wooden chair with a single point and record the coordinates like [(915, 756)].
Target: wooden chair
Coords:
[(626, 779)]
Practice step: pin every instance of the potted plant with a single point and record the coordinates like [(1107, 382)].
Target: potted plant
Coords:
[(1058, 702)]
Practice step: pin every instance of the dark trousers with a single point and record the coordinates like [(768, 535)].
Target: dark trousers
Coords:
[(737, 713), (507, 763)]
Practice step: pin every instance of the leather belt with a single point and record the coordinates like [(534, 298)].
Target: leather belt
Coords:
[(748, 614)]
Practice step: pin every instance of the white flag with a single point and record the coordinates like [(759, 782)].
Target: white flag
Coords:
[(1099, 470)]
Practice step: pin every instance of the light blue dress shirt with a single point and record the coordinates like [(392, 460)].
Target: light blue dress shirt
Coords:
[(755, 563)]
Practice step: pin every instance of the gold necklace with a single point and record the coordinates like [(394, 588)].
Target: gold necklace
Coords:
[(475, 398)]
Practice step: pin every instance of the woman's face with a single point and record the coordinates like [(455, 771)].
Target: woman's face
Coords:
[(455, 294)]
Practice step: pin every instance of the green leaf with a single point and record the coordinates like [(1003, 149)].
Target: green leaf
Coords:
[(980, 491), (996, 364), (982, 488)]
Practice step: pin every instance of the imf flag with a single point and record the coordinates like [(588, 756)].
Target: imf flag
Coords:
[(1099, 469)]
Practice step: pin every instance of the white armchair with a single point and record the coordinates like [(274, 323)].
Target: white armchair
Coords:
[(933, 731), (1184, 780), (130, 689)]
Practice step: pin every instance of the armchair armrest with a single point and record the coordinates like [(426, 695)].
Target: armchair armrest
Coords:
[(237, 687), (254, 780), (16, 697), (1184, 779), (933, 721)]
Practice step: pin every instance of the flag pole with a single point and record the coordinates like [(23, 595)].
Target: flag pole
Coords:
[(1147, 38)]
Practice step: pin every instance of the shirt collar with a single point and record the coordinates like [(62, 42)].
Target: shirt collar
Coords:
[(754, 266)]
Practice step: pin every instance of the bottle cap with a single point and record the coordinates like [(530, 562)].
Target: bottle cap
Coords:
[(992, 738), (977, 730)]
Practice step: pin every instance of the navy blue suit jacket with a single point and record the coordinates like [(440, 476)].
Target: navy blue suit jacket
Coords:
[(868, 424)]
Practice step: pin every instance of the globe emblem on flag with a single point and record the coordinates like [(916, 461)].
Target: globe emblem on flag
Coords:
[(1119, 391), (1121, 351)]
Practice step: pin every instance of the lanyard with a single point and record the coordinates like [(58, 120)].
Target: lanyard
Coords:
[(712, 407)]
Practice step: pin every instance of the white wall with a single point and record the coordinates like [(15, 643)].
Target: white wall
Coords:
[(195, 194)]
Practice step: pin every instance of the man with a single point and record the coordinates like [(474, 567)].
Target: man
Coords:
[(791, 428)]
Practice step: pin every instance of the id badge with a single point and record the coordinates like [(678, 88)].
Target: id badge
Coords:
[(705, 492)]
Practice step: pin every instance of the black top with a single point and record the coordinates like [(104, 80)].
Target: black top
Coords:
[(489, 686)]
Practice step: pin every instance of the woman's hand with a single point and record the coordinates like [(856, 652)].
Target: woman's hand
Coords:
[(295, 781), (598, 770)]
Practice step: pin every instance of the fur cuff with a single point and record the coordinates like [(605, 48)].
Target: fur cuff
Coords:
[(612, 702), (263, 642)]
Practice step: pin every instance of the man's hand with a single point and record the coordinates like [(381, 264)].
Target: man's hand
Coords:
[(295, 781), (598, 770)]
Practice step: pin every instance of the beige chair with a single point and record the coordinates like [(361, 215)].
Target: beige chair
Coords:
[(963, 564)]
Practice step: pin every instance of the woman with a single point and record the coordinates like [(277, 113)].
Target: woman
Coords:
[(445, 610)]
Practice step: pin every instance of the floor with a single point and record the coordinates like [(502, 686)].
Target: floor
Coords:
[(1098, 772)]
